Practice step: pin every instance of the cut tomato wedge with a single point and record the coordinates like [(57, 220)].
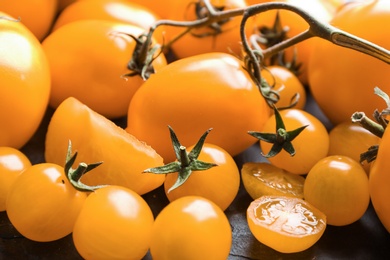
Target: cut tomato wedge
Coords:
[(286, 224)]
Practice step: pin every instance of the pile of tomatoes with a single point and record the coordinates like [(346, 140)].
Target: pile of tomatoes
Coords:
[(114, 125)]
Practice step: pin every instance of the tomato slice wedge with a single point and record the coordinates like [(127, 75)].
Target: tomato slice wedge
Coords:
[(262, 178), (286, 224)]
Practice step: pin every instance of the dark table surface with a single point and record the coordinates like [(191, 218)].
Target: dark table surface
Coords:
[(364, 239)]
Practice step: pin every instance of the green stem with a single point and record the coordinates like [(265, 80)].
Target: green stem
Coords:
[(367, 123)]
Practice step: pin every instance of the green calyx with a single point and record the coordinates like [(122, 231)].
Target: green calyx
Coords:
[(186, 162), (281, 140), (74, 175)]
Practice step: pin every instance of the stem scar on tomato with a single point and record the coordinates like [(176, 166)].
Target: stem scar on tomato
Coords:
[(282, 139), (74, 175), (186, 162)]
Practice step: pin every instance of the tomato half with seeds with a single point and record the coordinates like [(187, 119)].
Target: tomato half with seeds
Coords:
[(205, 91), (12, 163), (114, 223), (42, 204), (191, 228), (286, 224)]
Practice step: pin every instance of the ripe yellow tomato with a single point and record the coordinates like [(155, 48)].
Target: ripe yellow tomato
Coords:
[(191, 228), (42, 204), (338, 186), (98, 139), (94, 73), (349, 82), (12, 163), (219, 184), (204, 91), (306, 154), (287, 84), (286, 224), (114, 223), (266, 179), (219, 37), (351, 139), (25, 83), (37, 15)]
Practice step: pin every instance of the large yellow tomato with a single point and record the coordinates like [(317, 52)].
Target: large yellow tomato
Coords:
[(24, 80)]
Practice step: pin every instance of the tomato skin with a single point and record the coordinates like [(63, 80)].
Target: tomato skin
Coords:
[(219, 184), (191, 228), (338, 186), (379, 181), (12, 163), (25, 83), (349, 82), (114, 223), (306, 154), (227, 41), (94, 75), (38, 22), (42, 204), (200, 92)]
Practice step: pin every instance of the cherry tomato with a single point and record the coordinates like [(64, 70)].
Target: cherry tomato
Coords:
[(191, 227), (200, 92), (351, 139), (379, 182), (114, 223), (98, 139), (219, 184), (306, 153), (114, 10), (266, 179), (25, 78), (94, 74), (218, 37), (286, 224), (349, 81), (12, 163), (338, 186), (287, 84), (42, 204), (39, 21), (161, 8), (294, 25)]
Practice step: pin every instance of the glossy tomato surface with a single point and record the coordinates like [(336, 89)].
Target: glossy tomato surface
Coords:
[(25, 83), (191, 228), (114, 223), (204, 91), (219, 184), (92, 66), (346, 86), (42, 204)]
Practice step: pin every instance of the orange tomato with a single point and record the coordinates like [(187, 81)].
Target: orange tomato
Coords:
[(200, 92), (338, 186), (25, 83), (286, 224), (306, 154), (349, 82), (114, 223), (191, 228), (288, 86), (161, 8), (295, 25), (351, 139), (114, 10), (98, 139), (37, 15), (42, 204), (220, 37), (219, 184), (93, 74), (12, 163)]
